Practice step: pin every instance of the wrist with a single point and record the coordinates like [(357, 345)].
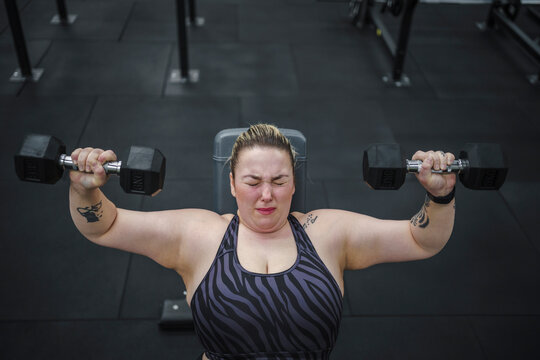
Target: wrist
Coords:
[(82, 191), (446, 199)]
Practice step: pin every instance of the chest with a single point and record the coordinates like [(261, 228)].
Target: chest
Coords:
[(259, 309), (267, 256)]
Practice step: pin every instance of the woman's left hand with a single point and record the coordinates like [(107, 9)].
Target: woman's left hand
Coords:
[(436, 184)]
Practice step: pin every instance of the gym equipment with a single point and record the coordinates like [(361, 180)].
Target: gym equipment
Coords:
[(534, 14), (502, 13), (193, 19), (480, 167), (223, 143), (363, 12), (42, 159), (25, 70), (395, 7), (511, 8), (63, 18), (176, 315), (183, 75)]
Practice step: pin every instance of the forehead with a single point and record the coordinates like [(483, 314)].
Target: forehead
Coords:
[(262, 159)]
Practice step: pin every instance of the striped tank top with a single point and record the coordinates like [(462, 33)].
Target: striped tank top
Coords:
[(294, 314)]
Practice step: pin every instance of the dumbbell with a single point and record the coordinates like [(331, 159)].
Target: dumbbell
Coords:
[(42, 159), (480, 167)]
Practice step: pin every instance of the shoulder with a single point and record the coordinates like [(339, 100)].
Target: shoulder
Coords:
[(323, 219), (202, 234), (323, 226), (332, 227)]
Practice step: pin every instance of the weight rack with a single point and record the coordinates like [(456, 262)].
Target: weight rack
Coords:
[(367, 14), (502, 14)]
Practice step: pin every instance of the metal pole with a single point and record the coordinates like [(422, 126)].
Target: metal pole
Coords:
[(62, 11), (182, 38), (490, 21), (519, 35), (404, 31), (18, 38), (192, 13), (534, 14)]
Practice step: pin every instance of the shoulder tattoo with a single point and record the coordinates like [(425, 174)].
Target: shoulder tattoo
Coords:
[(310, 220)]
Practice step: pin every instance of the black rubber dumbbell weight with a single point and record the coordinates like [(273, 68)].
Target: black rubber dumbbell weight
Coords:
[(480, 167), (42, 159)]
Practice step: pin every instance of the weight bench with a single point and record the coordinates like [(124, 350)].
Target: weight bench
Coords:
[(176, 314)]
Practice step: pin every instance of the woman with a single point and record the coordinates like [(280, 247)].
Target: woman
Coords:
[(264, 283)]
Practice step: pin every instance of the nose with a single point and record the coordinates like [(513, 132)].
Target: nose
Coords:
[(266, 192)]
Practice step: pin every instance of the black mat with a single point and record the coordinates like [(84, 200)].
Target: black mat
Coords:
[(503, 337), (97, 339), (96, 20), (407, 338), (523, 199), (235, 69), (151, 21), (104, 68)]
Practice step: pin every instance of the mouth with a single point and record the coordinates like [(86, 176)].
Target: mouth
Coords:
[(266, 211)]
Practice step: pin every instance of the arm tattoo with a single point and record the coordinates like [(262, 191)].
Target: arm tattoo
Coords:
[(421, 219), (310, 220), (91, 213)]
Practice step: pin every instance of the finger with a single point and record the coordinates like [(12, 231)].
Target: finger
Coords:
[(92, 163), (436, 160), (107, 156), (442, 159), (424, 174), (450, 158), (75, 155), (83, 156), (419, 155)]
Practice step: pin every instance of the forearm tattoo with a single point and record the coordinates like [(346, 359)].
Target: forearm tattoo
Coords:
[(421, 219), (310, 220), (91, 213)]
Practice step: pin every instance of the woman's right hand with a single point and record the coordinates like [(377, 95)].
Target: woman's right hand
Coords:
[(91, 174)]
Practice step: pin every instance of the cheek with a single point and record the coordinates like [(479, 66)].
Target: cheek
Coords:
[(247, 193), (283, 192)]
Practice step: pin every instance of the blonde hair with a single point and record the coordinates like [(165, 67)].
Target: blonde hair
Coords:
[(263, 135)]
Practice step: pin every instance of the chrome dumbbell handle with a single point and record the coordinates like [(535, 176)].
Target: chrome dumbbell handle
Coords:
[(456, 167), (112, 167)]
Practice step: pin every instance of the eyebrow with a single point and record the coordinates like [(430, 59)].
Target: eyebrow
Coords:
[(255, 177)]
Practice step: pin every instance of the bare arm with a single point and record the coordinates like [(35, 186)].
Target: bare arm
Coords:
[(100, 221), (370, 241), (158, 235)]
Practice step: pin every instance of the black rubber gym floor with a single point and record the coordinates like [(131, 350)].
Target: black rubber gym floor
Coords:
[(298, 64)]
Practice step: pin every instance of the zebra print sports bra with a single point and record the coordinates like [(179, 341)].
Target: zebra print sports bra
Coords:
[(294, 314)]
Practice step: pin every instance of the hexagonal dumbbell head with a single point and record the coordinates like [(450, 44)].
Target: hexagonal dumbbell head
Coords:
[(37, 160), (487, 166), (144, 172), (383, 167)]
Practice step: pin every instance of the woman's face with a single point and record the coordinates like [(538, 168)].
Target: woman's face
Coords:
[(263, 186)]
